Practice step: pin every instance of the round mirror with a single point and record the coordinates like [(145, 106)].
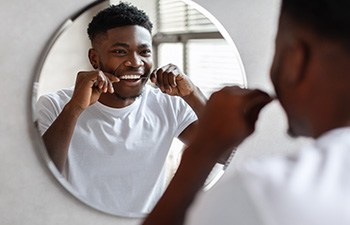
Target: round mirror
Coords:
[(129, 185)]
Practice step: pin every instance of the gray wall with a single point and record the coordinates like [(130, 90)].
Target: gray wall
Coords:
[(29, 194)]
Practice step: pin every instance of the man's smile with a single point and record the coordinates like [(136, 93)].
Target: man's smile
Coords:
[(130, 77)]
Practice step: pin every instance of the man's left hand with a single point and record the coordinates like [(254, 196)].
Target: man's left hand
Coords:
[(172, 81)]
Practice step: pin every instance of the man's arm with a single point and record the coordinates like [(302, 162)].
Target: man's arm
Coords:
[(172, 81), (58, 136), (196, 100), (229, 118), (88, 88)]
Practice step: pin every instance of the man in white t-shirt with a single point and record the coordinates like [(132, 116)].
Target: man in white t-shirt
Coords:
[(311, 76), (110, 134)]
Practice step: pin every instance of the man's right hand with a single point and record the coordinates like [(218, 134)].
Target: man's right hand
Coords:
[(89, 86), (229, 117)]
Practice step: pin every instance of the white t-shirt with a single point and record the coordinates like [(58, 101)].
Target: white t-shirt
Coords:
[(117, 155), (311, 187)]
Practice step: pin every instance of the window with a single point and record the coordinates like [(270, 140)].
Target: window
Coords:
[(186, 37)]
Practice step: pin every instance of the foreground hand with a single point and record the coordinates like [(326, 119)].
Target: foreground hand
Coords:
[(89, 86), (172, 81), (230, 117)]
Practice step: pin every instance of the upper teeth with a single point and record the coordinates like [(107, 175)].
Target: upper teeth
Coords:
[(130, 77)]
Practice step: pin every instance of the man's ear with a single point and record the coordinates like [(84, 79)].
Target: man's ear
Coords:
[(297, 61), (94, 58)]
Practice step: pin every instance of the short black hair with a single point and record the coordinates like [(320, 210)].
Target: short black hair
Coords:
[(123, 14), (328, 18)]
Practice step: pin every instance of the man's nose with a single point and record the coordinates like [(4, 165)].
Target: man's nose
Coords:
[(134, 60)]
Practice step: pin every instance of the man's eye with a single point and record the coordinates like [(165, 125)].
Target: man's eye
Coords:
[(119, 51), (146, 52)]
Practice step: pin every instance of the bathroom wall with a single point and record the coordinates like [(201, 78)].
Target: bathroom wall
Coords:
[(29, 194)]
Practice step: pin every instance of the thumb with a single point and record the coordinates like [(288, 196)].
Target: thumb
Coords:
[(153, 77)]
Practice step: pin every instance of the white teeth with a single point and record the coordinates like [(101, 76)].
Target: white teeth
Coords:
[(130, 77)]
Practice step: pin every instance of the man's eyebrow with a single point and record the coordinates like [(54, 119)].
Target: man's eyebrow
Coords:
[(125, 45)]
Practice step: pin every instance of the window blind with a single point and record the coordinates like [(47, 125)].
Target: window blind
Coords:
[(175, 16)]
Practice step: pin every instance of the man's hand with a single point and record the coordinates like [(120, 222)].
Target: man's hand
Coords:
[(172, 81), (89, 86), (229, 117), (88, 89)]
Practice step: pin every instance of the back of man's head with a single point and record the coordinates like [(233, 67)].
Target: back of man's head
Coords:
[(313, 70), (328, 18), (123, 14)]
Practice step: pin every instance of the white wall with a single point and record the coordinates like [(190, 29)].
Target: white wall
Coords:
[(29, 194)]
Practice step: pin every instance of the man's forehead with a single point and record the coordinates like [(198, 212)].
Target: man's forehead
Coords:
[(126, 34)]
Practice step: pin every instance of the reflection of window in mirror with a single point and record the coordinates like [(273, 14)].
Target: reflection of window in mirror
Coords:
[(196, 45)]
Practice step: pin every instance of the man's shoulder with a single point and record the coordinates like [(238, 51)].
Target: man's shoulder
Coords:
[(315, 155), (62, 93), (60, 97)]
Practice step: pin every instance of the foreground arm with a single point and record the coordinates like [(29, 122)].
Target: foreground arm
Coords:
[(58, 136), (228, 119)]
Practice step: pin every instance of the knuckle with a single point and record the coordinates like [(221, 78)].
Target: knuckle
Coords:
[(81, 74), (159, 72)]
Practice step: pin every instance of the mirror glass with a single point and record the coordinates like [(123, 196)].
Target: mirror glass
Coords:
[(184, 34)]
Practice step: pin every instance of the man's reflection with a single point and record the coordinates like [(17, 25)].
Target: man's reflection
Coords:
[(110, 134)]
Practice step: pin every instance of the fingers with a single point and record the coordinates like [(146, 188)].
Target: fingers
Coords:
[(104, 82), (229, 118), (252, 100), (98, 81), (89, 86), (239, 108), (101, 82), (172, 72), (165, 77)]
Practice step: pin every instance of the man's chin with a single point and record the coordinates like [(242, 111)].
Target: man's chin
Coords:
[(128, 95), (129, 92)]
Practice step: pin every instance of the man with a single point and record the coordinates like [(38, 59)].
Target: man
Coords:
[(110, 135), (311, 76)]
